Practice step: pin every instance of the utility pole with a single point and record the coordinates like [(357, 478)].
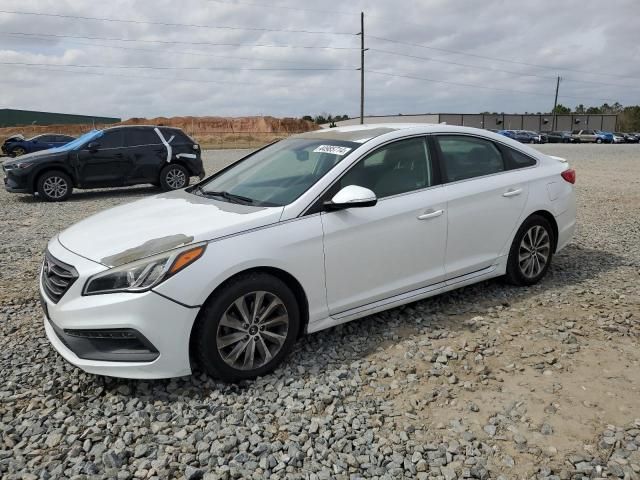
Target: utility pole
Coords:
[(555, 102), (362, 50)]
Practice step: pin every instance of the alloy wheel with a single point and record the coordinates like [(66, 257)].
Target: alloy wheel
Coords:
[(55, 187), (534, 251), (176, 178), (252, 330), (19, 151)]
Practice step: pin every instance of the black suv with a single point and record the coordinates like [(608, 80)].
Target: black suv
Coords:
[(114, 157)]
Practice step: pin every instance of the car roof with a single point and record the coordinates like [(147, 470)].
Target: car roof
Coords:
[(364, 133), (141, 126)]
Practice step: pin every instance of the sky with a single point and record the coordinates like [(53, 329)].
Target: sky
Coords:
[(147, 58)]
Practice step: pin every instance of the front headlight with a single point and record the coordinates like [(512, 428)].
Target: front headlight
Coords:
[(144, 274)]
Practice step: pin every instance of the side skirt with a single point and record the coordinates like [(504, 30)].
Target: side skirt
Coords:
[(404, 298)]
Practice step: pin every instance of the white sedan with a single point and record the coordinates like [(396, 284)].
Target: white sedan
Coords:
[(310, 232)]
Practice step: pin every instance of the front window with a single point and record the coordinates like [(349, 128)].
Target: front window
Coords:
[(278, 174)]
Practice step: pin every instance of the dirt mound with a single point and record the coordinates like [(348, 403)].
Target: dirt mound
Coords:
[(203, 129)]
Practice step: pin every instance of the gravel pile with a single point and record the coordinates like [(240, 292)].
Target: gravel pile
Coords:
[(490, 381)]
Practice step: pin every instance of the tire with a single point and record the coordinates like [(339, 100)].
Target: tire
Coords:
[(598, 140), (174, 177), (535, 230), (54, 186), (220, 331), (18, 152)]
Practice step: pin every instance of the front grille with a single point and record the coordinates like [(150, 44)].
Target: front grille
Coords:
[(57, 277)]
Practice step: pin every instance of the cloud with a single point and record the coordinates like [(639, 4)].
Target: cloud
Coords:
[(593, 47)]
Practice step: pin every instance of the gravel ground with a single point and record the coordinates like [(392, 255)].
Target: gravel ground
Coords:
[(490, 381)]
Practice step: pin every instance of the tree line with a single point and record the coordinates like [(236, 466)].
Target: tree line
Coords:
[(628, 117)]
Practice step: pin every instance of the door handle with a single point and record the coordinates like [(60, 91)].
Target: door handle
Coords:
[(431, 213), (512, 192)]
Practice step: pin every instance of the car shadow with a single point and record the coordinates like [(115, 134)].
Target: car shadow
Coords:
[(573, 266)]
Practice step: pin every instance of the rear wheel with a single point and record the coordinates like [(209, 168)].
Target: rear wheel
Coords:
[(54, 186), (174, 177), (531, 252), (247, 328), (598, 140)]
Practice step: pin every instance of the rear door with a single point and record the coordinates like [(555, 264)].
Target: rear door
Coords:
[(108, 166), (147, 155), (485, 200)]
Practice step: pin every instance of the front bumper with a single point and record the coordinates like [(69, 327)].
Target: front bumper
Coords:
[(16, 183), (161, 325)]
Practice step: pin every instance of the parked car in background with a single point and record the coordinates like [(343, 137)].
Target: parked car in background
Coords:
[(618, 137), (537, 137), (587, 136), (114, 157), (559, 137), (628, 137), (606, 136), (519, 135), (17, 145), (310, 232)]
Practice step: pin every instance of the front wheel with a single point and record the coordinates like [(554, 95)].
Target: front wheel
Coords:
[(18, 152), (54, 186), (531, 252), (598, 140), (174, 177), (247, 328)]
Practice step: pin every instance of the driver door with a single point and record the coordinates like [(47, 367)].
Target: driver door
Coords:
[(106, 166), (394, 247)]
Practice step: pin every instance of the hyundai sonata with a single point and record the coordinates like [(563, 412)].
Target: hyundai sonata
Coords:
[(304, 234)]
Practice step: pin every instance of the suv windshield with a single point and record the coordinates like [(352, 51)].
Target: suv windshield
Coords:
[(80, 141), (278, 174)]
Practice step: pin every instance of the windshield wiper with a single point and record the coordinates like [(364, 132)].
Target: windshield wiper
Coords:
[(232, 197)]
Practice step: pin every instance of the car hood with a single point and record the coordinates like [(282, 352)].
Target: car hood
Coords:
[(42, 155), (129, 232)]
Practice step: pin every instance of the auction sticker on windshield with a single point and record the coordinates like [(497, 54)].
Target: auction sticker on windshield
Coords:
[(333, 149)]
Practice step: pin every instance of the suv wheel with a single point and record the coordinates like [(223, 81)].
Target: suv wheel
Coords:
[(247, 328), (54, 186), (174, 177), (531, 252), (18, 152)]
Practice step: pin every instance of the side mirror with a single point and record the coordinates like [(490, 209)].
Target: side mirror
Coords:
[(93, 146), (351, 196)]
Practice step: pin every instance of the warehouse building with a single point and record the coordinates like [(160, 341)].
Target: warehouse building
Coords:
[(501, 121), (14, 118)]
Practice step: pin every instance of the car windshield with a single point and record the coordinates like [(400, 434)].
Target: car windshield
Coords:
[(278, 174), (80, 141)]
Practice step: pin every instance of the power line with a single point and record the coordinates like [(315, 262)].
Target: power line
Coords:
[(484, 87), (171, 79), (481, 67), (172, 24), (152, 67), (181, 52), (181, 42), (486, 57), (281, 7)]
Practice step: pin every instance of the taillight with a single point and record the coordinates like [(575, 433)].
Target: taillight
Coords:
[(569, 175)]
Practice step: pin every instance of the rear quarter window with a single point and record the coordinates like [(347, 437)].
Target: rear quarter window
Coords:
[(515, 159), (179, 137)]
